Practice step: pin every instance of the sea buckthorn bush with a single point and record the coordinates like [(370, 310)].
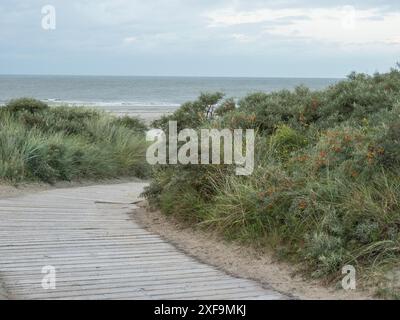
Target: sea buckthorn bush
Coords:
[(325, 191)]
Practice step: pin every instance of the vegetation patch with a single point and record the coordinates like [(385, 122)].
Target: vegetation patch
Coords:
[(38, 142), (325, 192)]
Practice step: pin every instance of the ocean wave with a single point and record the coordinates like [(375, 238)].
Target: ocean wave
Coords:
[(114, 104)]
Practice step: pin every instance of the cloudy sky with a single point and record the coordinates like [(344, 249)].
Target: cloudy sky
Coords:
[(280, 38)]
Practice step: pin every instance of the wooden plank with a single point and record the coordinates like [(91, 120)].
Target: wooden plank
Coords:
[(182, 281), (99, 253), (152, 291), (159, 278)]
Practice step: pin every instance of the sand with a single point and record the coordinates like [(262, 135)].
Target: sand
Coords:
[(148, 117), (239, 260), (10, 191)]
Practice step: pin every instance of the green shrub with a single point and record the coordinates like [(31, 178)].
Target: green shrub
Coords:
[(237, 119), (67, 120), (326, 252), (26, 104), (132, 123), (388, 148), (192, 114), (326, 187), (227, 106), (286, 140)]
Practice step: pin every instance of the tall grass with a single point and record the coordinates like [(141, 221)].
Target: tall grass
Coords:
[(62, 143), (325, 191)]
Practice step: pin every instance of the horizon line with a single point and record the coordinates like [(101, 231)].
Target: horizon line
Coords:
[(169, 76)]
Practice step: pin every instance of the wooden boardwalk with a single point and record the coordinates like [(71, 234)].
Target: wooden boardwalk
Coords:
[(89, 236)]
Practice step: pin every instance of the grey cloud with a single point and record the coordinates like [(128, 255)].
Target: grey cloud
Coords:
[(92, 32)]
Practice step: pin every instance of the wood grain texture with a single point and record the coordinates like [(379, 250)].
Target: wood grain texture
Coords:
[(87, 234)]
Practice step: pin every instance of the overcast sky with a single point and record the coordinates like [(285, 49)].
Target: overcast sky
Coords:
[(280, 38)]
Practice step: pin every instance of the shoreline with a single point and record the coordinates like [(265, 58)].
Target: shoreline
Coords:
[(147, 117)]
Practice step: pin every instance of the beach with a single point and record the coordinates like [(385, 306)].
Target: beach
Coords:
[(147, 116)]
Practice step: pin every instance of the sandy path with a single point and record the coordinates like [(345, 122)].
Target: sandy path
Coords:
[(240, 261)]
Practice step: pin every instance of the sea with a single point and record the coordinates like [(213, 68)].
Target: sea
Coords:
[(139, 94)]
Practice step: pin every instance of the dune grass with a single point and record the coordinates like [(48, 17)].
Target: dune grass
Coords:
[(326, 188), (41, 143)]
